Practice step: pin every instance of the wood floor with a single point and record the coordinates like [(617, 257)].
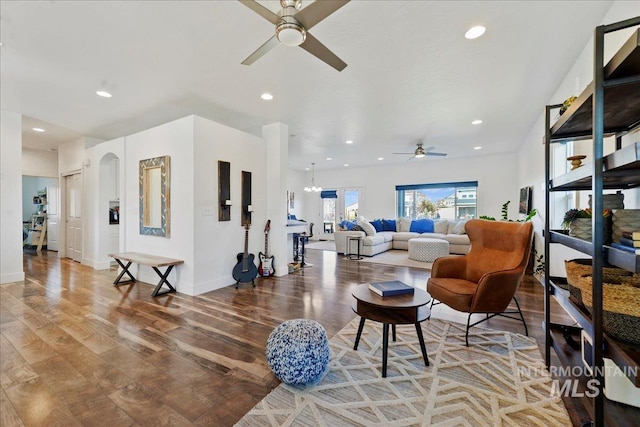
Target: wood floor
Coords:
[(76, 350)]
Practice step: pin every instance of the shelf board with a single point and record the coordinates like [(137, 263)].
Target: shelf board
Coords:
[(621, 102), (617, 166), (623, 259), (580, 408)]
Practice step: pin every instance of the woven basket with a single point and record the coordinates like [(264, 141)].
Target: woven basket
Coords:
[(620, 305), (577, 268)]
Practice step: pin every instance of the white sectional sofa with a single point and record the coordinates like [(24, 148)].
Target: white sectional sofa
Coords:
[(375, 242)]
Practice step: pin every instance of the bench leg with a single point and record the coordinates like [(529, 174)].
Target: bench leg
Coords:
[(163, 280), (125, 270)]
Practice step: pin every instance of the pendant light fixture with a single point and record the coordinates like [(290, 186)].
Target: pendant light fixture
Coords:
[(313, 178)]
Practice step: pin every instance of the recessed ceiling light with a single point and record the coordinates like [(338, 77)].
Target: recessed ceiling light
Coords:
[(266, 96), (476, 122), (329, 158), (103, 94), (38, 129), (346, 164), (306, 169), (349, 142), (380, 158), (475, 32), (477, 148)]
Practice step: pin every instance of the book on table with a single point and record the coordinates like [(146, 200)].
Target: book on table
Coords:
[(629, 242), (392, 288), (626, 248), (631, 234)]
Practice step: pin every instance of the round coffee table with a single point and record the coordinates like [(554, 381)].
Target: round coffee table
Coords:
[(393, 310)]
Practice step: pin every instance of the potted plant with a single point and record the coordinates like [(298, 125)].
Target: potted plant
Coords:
[(578, 222)]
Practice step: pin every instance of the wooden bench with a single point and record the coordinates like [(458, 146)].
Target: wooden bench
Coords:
[(153, 261)]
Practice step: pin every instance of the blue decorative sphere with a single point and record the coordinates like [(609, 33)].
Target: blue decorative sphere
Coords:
[(298, 351)]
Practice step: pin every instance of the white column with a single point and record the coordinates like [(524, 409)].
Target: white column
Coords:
[(277, 138), (11, 204)]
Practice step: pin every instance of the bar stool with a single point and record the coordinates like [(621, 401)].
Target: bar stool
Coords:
[(299, 240)]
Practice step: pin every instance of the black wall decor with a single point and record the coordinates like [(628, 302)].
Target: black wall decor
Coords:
[(246, 198), (224, 191)]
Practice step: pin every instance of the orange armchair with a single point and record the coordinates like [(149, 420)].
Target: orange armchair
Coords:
[(487, 278)]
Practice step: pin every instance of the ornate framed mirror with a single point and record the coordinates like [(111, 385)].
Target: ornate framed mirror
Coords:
[(155, 196)]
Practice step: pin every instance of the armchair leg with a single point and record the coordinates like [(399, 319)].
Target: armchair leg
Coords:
[(526, 331), (466, 334)]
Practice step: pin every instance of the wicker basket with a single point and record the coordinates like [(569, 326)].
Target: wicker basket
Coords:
[(577, 268), (620, 305)]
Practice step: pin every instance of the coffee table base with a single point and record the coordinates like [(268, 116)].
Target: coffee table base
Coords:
[(385, 342)]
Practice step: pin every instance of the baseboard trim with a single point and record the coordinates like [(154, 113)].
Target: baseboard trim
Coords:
[(12, 277)]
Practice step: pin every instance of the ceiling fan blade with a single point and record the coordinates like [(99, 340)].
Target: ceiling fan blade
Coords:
[(411, 158), (262, 50), (320, 51), (261, 10), (317, 11), (403, 153), (431, 153)]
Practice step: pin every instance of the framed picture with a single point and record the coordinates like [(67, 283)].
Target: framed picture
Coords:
[(291, 200), (524, 206)]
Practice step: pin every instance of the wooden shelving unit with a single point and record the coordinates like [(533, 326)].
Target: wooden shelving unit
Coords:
[(609, 106)]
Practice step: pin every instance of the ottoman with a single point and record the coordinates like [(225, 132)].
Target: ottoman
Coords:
[(298, 351), (427, 249)]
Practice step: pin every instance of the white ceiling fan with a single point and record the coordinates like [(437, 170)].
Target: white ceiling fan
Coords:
[(292, 28), (421, 152)]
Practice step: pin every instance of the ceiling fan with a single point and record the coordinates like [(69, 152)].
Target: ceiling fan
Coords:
[(421, 152), (292, 28)]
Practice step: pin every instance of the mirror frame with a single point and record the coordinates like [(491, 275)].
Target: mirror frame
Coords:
[(164, 163)]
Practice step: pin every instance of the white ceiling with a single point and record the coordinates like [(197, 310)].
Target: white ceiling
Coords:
[(411, 74)]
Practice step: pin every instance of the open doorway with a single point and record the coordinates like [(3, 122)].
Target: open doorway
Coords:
[(40, 213)]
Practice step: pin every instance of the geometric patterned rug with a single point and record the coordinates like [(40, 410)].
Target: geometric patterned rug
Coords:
[(499, 380)]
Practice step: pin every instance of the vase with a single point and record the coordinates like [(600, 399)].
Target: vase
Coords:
[(580, 228)]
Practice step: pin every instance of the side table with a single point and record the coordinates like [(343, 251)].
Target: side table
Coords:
[(394, 310), (349, 254)]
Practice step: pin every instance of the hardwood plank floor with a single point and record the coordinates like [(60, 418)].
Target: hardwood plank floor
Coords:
[(76, 350)]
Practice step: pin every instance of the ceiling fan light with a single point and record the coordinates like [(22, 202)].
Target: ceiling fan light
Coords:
[(419, 155), (307, 189), (290, 33)]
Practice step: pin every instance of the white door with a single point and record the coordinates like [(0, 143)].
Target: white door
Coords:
[(74, 216), (53, 217)]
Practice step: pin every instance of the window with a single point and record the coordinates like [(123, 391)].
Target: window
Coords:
[(451, 200)]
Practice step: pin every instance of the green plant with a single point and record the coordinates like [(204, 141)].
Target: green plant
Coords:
[(505, 210), (505, 214), (573, 214), (538, 263)]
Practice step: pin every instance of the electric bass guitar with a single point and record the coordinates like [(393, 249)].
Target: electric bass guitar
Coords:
[(266, 267), (245, 270)]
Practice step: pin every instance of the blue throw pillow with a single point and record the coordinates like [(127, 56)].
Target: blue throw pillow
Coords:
[(292, 217), (388, 225), (422, 226), (348, 225), (377, 224)]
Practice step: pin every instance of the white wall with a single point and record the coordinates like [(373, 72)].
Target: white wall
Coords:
[(174, 139), (495, 175), (296, 182), (39, 163), (531, 172), (216, 243), (11, 203)]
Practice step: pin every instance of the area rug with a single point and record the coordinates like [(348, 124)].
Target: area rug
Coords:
[(397, 257), (499, 380), (323, 245)]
